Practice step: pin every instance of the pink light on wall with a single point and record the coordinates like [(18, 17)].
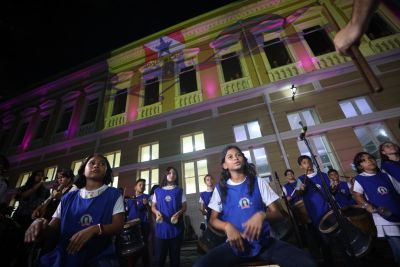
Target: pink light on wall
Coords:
[(27, 138), (211, 87), (73, 127)]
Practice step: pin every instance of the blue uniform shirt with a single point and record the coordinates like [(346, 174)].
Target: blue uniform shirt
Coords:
[(343, 196)]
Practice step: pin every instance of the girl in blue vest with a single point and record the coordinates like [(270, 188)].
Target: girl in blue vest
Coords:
[(205, 197), (242, 204), (137, 208), (86, 220), (340, 190), (390, 155), (374, 191), (169, 205)]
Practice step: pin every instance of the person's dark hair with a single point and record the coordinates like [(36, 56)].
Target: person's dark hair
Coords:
[(288, 170), (140, 180), (31, 179), (204, 179), (164, 181), (383, 156), (225, 175), (80, 181), (358, 159), (332, 170), (300, 159), (153, 188), (66, 173), (4, 163)]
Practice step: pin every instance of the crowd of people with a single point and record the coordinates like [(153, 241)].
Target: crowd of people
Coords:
[(75, 222)]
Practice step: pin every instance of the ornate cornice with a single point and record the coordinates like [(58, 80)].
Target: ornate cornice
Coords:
[(48, 104)]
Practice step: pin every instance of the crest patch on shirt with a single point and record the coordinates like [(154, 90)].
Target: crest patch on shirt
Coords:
[(382, 190), (168, 198), (244, 203), (86, 220)]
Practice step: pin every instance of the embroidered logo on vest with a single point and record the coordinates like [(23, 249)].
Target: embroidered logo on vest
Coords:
[(343, 191), (244, 203), (318, 185), (86, 220), (168, 198), (382, 190)]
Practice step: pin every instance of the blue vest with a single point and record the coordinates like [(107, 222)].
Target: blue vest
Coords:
[(343, 196), (138, 209), (239, 207), (78, 213), (206, 196), (168, 203), (290, 187), (393, 168), (380, 192), (314, 202)]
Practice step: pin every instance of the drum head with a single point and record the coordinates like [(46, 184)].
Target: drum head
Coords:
[(131, 223)]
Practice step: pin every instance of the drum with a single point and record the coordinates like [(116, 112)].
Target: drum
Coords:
[(281, 230), (130, 239), (359, 241), (300, 212), (210, 239), (361, 218)]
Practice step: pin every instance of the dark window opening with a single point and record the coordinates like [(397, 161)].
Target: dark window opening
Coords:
[(91, 111), (20, 134), (41, 130), (151, 92), (378, 28), (119, 102), (4, 138), (64, 122), (318, 40), (276, 53), (231, 67), (188, 80)]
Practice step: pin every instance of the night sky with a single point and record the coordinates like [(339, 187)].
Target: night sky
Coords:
[(41, 39)]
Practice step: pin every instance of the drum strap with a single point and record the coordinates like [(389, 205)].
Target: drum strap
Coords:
[(315, 187)]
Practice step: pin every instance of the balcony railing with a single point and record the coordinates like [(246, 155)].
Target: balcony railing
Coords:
[(236, 86), (116, 120), (150, 110), (188, 99), (86, 129), (330, 59), (284, 72), (386, 43)]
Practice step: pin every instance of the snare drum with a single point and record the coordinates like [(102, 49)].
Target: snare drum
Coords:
[(361, 218), (130, 239), (300, 212), (210, 239)]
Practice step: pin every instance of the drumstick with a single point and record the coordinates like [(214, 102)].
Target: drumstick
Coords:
[(359, 60)]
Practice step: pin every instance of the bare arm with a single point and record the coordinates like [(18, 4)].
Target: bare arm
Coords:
[(363, 202), (202, 209), (42, 227), (80, 238), (355, 28)]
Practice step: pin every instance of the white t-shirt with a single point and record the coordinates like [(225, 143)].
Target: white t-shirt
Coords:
[(267, 194), (118, 207), (201, 200), (383, 227), (168, 187)]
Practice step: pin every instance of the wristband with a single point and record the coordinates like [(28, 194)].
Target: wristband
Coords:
[(101, 229), (365, 205)]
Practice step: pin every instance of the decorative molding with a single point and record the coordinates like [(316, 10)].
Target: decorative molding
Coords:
[(49, 103), (96, 86), (28, 111), (72, 95)]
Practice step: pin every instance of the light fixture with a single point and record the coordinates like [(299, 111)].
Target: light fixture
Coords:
[(294, 90)]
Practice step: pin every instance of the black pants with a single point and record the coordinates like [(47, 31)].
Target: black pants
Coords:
[(168, 246)]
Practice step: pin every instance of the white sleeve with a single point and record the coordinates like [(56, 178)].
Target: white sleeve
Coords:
[(268, 195), (183, 197), (395, 183), (57, 213), (154, 198), (284, 190), (119, 206), (358, 188), (215, 202), (201, 200)]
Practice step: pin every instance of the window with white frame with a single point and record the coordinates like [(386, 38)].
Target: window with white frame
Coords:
[(371, 135), (192, 142), (50, 173), (114, 158), (75, 165), (277, 53), (259, 158), (114, 182), (151, 177), (318, 40), (246, 131), (193, 173), (318, 143), (148, 152)]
